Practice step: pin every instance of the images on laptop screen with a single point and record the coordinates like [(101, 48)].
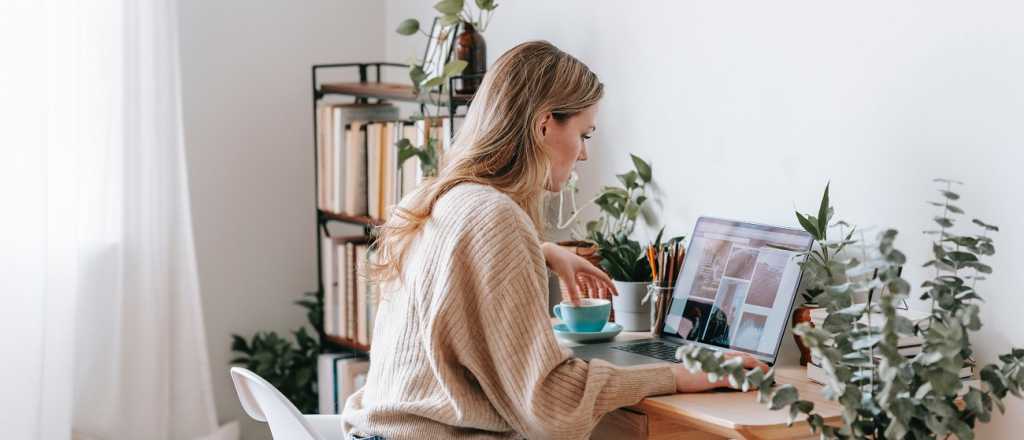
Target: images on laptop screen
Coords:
[(737, 286)]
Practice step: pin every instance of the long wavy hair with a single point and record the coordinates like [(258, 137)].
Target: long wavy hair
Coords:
[(499, 144)]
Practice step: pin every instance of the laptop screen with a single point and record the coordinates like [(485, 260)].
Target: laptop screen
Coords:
[(737, 286)]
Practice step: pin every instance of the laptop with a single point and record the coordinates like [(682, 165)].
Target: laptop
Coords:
[(735, 292)]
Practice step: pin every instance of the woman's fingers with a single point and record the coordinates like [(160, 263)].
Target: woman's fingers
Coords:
[(600, 278), (749, 362), (572, 289)]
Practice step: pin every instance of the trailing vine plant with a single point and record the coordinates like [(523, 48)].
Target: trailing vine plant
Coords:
[(428, 85)]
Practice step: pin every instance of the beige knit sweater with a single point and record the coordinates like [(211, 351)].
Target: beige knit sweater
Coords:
[(464, 349)]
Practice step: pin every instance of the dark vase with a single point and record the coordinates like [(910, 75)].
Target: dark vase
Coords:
[(471, 48), (801, 315)]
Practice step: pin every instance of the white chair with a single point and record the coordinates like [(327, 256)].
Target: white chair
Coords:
[(265, 403)]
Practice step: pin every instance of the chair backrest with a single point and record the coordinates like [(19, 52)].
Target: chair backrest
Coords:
[(265, 403)]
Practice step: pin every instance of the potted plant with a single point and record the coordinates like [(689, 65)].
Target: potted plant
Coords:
[(820, 268), (622, 257), (291, 368), (429, 80), (884, 394), (470, 47)]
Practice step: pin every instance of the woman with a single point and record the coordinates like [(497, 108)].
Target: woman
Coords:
[(463, 346)]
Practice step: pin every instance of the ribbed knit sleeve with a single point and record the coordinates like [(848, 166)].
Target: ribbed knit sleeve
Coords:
[(499, 330)]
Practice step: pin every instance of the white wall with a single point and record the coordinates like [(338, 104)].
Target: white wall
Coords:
[(246, 85), (746, 109)]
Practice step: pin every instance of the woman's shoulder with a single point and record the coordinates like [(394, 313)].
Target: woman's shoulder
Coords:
[(478, 202)]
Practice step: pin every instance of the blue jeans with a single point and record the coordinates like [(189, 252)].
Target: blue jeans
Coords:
[(376, 437)]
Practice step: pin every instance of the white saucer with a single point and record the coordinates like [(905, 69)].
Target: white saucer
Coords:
[(609, 331)]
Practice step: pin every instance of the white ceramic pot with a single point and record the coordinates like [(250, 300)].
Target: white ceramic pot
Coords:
[(630, 313)]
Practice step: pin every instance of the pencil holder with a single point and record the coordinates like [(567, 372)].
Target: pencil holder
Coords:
[(658, 297)]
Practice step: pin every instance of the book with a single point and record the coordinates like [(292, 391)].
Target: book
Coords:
[(328, 252), (323, 126), (374, 169), (389, 176), (355, 169), (361, 294), (350, 297), (338, 376), (817, 374), (338, 138), (337, 310)]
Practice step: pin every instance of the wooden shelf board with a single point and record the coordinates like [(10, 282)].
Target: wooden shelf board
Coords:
[(347, 343), (383, 90), (355, 219)]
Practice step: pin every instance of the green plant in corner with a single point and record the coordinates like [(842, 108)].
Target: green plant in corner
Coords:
[(291, 367), (885, 395)]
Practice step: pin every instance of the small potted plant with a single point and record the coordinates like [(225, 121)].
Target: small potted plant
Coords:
[(820, 268), (622, 257)]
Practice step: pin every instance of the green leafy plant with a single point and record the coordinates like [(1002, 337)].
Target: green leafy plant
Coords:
[(430, 86), (623, 257), (820, 268), (289, 366), (885, 395), (428, 155), (451, 13)]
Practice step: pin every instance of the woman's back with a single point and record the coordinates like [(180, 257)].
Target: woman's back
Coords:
[(464, 349)]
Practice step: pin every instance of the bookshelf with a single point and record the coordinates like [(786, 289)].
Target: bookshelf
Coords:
[(368, 87)]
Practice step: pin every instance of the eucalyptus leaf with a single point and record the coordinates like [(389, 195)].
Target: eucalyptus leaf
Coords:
[(784, 396), (987, 226), (949, 194)]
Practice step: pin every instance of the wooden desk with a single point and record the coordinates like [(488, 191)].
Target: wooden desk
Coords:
[(713, 415)]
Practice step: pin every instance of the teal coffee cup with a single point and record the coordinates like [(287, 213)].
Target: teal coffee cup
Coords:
[(590, 316)]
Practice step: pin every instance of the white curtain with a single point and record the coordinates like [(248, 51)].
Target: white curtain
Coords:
[(101, 327)]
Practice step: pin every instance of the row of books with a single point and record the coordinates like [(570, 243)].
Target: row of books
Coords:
[(350, 300), (908, 346), (358, 170)]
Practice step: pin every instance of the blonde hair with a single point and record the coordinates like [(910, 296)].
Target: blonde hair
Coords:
[(499, 144)]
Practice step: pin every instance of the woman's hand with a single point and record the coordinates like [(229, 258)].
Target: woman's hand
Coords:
[(577, 273), (687, 382)]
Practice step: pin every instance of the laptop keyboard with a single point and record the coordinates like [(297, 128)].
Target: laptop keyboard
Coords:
[(656, 349)]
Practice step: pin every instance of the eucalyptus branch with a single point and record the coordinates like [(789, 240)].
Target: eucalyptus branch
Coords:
[(883, 393)]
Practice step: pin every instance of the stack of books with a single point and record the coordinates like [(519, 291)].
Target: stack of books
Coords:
[(909, 346), (350, 300), (359, 173)]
